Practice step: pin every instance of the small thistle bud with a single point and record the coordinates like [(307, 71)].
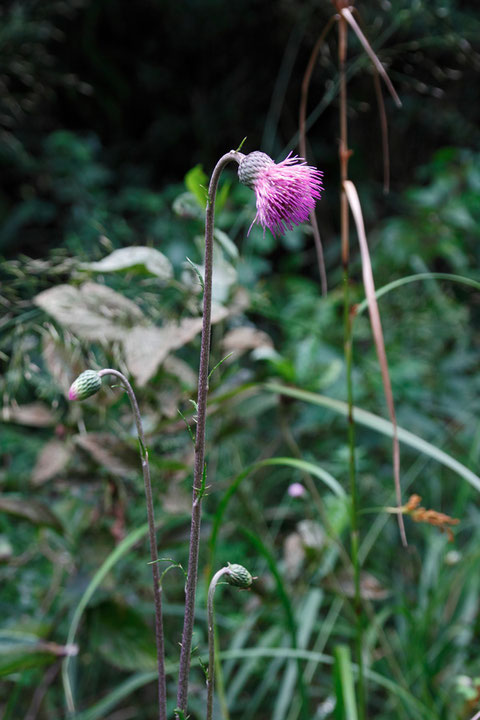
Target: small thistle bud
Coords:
[(238, 576), (86, 385), (251, 165)]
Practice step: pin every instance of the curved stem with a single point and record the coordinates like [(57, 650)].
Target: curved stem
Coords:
[(211, 639), (199, 463), (157, 590)]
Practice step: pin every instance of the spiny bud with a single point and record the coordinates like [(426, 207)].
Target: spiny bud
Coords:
[(86, 385), (238, 576), (251, 165)]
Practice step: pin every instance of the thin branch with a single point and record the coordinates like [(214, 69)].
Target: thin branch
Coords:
[(41, 690), (384, 131)]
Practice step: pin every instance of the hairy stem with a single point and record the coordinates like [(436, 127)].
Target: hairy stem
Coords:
[(344, 154), (199, 463), (157, 590)]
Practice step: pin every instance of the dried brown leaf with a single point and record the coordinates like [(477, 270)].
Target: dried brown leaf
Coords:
[(51, 461), (293, 555), (35, 414), (241, 339), (370, 587), (92, 312), (110, 452), (59, 362), (36, 512), (147, 347)]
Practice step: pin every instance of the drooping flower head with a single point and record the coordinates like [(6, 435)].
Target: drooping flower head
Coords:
[(285, 192)]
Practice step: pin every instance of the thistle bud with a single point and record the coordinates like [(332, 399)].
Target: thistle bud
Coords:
[(251, 165), (86, 385), (238, 576)]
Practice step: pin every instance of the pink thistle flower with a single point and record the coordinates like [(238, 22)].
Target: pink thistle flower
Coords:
[(285, 192)]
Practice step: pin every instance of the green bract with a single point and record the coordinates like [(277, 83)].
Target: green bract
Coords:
[(86, 385)]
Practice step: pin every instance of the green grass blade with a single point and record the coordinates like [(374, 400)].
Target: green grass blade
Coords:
[(283, 597), (312, 468), (110, 701), (346, 706), (375, 422), (306, 619), (361, 307), (121, 550), (417, 709)]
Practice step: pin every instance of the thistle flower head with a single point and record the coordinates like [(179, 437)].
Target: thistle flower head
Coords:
[(86, 385), (285, 192)]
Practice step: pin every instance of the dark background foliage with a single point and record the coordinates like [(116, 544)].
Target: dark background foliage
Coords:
[(157, 87)]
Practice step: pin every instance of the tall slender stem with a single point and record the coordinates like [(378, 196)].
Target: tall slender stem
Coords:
[(199, 463), (211, 639), (157, 589), (303, 147), (344, 155)]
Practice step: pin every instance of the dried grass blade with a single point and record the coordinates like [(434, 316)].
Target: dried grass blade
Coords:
[(355, 207), (345, 13)]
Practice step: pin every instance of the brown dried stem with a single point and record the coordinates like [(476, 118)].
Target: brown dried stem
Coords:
[(303, 146)]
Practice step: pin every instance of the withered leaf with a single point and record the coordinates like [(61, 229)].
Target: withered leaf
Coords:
[(91, 311), (110, 452), (51, 460)]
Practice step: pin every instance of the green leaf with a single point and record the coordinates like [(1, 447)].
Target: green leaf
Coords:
[(111, 700), (15, 657), (196, 182), (222, 195), (122, 638)]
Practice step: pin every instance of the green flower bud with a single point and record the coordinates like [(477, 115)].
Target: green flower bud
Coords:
[(238, 576), (86, 385)]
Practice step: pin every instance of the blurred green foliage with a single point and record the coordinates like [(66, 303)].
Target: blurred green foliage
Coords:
[(80, 463), (93, 123)]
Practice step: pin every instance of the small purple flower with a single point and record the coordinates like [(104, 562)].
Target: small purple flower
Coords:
[(286, 192), (296, 490)]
